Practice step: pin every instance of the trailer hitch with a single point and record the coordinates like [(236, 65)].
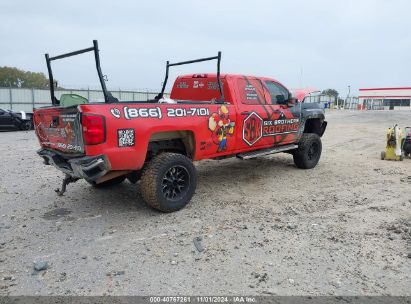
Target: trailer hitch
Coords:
[(68, 179)]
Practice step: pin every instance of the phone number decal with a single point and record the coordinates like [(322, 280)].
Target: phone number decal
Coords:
[(182, 112), (130, 113)]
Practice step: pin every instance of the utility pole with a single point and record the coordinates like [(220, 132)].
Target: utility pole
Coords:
[(348, 95)]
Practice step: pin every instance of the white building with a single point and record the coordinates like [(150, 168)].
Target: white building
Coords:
[(385, 98)]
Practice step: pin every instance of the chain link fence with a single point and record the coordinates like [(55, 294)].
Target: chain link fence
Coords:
[(25, 99), (350, 103)]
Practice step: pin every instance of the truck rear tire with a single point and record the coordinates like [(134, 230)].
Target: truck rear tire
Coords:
[(308, 153), (168, 182), (111, 182)]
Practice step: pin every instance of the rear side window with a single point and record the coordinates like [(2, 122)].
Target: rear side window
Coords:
[(251, 91), (277, 92)]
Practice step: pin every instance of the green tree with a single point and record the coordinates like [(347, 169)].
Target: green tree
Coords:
[(331, 92), (16, 78)]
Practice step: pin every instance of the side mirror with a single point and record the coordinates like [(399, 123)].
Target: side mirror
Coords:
[(292, 101)]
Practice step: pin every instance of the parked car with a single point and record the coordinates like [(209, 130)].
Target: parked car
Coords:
[(208, 116), (10, 120)]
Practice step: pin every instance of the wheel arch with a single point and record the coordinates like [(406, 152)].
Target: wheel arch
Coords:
[(315, 125), (182, 141)]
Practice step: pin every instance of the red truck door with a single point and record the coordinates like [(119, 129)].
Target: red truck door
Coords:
[(252, 111), (263, 115), (285, 120)]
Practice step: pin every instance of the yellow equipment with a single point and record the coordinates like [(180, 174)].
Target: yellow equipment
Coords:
[(406, 145), (393, 150)]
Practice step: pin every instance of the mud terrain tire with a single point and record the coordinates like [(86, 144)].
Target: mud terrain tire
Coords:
[(308, 153), (168, 182)]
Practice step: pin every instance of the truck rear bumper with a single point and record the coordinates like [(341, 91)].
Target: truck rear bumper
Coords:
[(87, 167)]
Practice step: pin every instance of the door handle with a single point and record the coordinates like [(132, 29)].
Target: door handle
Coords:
[(245, 113)]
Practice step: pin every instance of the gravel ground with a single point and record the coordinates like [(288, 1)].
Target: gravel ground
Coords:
[(267, 227)]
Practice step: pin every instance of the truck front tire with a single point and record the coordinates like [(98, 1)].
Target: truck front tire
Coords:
[(168, 182), (308, 153)]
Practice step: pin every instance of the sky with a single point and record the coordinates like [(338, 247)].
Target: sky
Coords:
[(320, 43)]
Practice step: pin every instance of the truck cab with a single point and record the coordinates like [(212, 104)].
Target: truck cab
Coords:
[(263, 110)]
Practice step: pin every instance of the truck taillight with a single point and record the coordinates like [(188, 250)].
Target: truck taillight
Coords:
[(94, 129)]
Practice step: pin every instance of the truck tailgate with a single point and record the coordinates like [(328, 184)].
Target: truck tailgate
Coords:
[(59, 129)]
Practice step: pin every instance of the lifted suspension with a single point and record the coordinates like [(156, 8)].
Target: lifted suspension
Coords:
[(68, 179)]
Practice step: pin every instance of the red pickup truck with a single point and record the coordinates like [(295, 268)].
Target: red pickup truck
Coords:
[(207, 116)]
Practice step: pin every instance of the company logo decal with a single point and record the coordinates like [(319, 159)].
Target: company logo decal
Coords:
[(252, 128), (280, 126)]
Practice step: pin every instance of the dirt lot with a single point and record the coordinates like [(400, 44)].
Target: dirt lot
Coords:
[(342, 228)]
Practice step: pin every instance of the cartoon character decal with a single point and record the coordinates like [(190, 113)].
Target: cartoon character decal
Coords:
[(220, 125), (69, 132)]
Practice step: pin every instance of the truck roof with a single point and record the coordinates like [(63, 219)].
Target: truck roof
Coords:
[(214, 75), (203, 86)]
